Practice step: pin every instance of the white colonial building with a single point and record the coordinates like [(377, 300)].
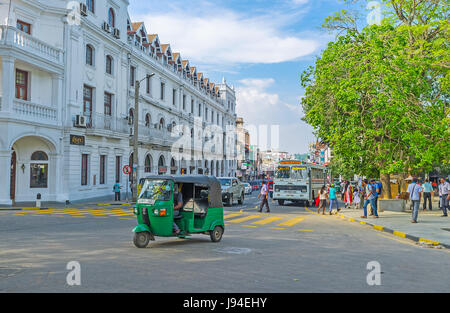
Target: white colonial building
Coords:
[(67, 85)]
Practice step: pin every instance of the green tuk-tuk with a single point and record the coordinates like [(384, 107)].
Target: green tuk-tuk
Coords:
[(201, 213)]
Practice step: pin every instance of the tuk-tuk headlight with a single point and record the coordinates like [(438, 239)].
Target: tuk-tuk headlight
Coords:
[(156, 212)]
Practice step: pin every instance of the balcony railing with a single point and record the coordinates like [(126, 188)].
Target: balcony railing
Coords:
[(34, 111), (13, 37), (102, 122)]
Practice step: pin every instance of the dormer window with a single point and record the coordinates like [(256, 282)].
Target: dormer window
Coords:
[(111, 18)]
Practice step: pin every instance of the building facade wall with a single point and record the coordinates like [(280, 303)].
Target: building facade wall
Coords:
[(54, 55)]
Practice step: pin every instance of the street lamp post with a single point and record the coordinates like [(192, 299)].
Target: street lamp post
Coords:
[(136, 136)]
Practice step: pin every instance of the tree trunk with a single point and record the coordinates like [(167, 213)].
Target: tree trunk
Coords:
[(386, 182)]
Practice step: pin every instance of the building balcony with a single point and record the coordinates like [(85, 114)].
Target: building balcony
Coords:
[(106, 125), (12, 37), (34, 112)]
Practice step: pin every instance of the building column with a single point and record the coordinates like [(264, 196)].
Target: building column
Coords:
[(8, 84), (5, 167)]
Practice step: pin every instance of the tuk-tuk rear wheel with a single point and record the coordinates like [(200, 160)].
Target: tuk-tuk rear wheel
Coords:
[(216, 234), (141, 239)]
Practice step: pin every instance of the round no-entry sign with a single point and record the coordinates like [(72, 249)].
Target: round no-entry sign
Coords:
[(127, 170)]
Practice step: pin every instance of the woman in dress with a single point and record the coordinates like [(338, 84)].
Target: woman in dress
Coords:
[(323, 196), (348, 197)]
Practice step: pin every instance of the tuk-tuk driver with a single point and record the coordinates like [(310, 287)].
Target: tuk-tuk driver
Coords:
[(177, 205)]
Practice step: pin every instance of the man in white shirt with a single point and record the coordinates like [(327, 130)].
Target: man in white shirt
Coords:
[(414, 191), (444, 196), (265, 195)]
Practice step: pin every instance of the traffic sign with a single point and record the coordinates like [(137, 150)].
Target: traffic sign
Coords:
[(127, 170)]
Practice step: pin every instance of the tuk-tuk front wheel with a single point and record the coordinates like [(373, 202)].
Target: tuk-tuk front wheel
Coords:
[(141, 239), (216, 234)]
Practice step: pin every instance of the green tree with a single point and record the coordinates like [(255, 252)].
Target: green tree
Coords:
[(380, 95)]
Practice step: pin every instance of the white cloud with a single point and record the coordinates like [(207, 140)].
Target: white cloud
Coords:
[(220, 36), (258, 107)]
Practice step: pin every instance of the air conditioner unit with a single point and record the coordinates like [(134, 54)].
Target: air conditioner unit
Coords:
[(80, 121), (106, 27), (83, 9), (117, 33)]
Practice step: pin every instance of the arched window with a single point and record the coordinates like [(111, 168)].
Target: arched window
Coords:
[(148, 120), (39, 170), (148, 164), (89, 55), (109, 65), (161, 161), (111, 18), (161, 123), (161, 166), (39, 156), (171, 126), (173, 167)]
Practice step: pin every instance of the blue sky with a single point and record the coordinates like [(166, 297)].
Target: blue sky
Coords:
[(261, 47)]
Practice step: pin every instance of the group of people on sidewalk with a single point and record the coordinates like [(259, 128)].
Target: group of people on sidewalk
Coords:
[(415, 192), (368, 191)]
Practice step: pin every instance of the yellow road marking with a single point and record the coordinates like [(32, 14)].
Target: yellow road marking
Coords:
[(244, 219), (123, 214), (291, 222), (308, 230), (249, 226), (267, 220), (232, 215), (277, 228)]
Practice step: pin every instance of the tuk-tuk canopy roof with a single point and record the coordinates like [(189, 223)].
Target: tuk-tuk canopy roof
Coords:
[(215, 190)]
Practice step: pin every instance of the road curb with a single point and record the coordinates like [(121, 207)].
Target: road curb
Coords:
[(389, 230), (397, 233)]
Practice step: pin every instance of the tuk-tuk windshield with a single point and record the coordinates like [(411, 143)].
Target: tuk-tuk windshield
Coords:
[(156, 190)]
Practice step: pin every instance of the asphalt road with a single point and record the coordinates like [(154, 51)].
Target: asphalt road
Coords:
[(288, 250)]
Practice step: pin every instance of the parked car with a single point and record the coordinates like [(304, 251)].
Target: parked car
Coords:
[(247, 188), (232, 189)]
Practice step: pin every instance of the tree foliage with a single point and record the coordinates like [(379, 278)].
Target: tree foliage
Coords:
[(380, 95)]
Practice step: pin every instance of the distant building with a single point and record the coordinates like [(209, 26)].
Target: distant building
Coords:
[(320, 153)]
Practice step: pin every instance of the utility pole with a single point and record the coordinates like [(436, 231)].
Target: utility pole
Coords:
[(136, 137)]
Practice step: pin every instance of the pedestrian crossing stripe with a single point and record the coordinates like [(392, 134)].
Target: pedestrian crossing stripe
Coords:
[(267, 220), (291, 222), (232, 215), (244, 219)]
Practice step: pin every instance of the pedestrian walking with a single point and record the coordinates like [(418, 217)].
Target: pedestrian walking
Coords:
[(264, 193), (116, 190), (414, 190), (348, 197), (427, 195), (369, 198), (323, 196), (444, 196), (343, 190), (356, 198), (333, 199)]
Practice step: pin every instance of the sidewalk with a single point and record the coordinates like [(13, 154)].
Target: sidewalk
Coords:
[(431, 227)]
